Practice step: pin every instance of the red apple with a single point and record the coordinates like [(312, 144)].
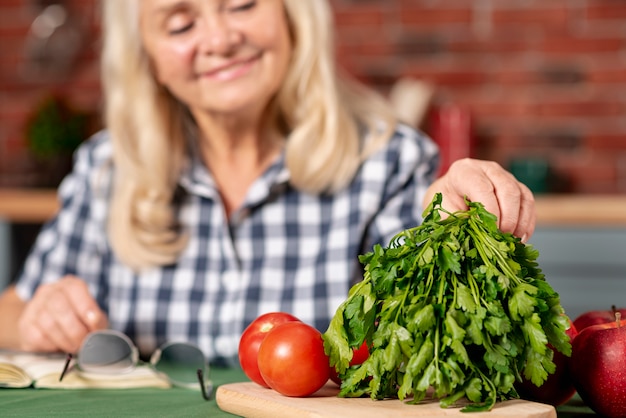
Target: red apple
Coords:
[(597, 317), (558, 387), (598, 367)]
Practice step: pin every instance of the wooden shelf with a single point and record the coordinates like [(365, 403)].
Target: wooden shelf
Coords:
[(581, 210), (39, 205), (28, 205)]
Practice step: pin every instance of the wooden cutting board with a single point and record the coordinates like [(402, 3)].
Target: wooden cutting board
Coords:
[(253, 401)]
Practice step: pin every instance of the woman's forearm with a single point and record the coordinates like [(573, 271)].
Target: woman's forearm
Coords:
[(11, 307)]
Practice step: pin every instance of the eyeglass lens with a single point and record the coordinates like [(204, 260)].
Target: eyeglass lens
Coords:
[(180, 363), (184, 365), (106, 353)]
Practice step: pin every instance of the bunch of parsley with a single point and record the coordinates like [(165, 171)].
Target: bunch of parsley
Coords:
[(453, 306)]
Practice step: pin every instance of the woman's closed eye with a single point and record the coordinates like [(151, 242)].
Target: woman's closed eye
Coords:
[(181, 30), (243, 7), (179, 23)]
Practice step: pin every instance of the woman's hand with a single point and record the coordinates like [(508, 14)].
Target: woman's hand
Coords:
[(490, 184), (59, 316)]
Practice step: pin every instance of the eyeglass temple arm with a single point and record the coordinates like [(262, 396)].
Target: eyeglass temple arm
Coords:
[(66, 367), (207, 391)]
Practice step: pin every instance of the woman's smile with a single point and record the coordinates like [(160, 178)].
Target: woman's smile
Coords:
[(231, 70)]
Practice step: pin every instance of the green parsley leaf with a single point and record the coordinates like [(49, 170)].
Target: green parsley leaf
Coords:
[(452, 307)]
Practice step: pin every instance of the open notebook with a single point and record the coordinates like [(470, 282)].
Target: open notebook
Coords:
[(21, 370)]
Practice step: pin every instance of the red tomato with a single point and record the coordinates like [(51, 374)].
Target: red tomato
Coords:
[(359, 355), (292, 359), (251, 340)]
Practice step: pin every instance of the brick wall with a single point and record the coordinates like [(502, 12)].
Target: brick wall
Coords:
[(31, 71), (541, 78)]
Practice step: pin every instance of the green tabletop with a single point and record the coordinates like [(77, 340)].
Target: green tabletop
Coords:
[(174, 402)]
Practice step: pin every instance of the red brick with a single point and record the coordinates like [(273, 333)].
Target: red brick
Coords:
[(366, 16), (608, 141), (546, 16), (10, 4), (591, 173), (578, 46), (579, 108), (499, 42), (606, 10), (608, 75), (424, 17), (372, 48)]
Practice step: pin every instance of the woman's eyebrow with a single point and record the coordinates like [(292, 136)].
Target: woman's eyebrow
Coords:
[(165, 9)]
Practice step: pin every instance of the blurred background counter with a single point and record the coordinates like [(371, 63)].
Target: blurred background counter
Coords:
[(38, 205), (581, 210), (27, 205), (22, 212), (581, 240)]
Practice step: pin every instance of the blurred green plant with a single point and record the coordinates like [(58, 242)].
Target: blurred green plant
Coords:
[(55, 128)]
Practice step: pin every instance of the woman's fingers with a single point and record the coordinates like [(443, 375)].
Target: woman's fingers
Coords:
[(497, 189), (59, 317)]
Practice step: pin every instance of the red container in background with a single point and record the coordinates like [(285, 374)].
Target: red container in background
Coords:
[(450, 126)]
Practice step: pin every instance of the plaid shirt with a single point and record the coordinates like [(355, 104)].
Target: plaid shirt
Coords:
[(283, 250)]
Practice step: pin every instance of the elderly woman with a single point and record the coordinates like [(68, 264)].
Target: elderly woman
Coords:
[(238, 174)]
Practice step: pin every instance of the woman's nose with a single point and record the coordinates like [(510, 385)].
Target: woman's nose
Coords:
[(218, 36)]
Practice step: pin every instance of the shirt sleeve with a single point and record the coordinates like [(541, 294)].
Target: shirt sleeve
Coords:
[(411, 162), (74, 241)]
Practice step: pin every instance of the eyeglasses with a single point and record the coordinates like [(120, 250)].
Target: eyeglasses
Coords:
[(112, 352)]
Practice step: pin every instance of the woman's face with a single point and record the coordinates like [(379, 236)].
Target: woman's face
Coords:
[(226, 57)]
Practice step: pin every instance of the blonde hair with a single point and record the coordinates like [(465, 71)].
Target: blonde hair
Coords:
[(321, 114)]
